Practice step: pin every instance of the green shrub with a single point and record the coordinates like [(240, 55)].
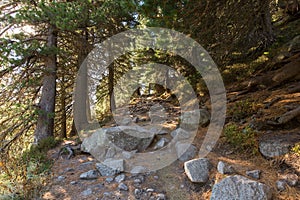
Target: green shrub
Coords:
[(241, 139)]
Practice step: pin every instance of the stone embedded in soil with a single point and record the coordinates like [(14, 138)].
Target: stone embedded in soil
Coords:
[(225, 168), (281, 185), (92, 174), (110, 167), (123, 186), (87, 192), (290, 179), (161, 143), (239, 187), (61, 178), (254, 174), (120, 178), (185, 151), (273, 145), (197, 170)]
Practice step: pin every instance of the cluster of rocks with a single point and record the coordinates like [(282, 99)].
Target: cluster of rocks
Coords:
[(114, 174)]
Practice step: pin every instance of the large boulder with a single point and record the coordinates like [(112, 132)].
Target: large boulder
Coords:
[(130, 138), (197, 170), (108, 142), (241, 188)]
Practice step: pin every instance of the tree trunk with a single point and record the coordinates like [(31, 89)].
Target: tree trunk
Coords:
[(45, 123), (63, 133), (81, 104)]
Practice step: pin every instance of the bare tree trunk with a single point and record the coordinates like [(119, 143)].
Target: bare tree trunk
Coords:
[(81, 110), (63, 108), (45, 123)]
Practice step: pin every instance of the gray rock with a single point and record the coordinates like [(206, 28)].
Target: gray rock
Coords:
[(138, 192), (61, 178), (290, 179), (107, 194), (137, 181), (138, 170), (150, 190), (92, 174), (191, 120), (161, 143), (157, 114), (225, 168), (110, 167), (161, 196), (73, 182), (123, 186), (109, 179), (254, 174), (94, 141), (120, 178), (127, 154), (281, 185), (242, 188), (111, 152), (273, 145), (181, 134), (87, 192), (126, 122), (197, 170), (130, 138), (185, 151)]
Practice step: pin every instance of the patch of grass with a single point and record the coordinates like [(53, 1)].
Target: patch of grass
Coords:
[(241, 139), (241, 110)]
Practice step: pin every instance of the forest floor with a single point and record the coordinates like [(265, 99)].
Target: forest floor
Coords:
[(254, 103), (171, 180)]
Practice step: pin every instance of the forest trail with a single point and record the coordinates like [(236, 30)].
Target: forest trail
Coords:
[(260, 107)]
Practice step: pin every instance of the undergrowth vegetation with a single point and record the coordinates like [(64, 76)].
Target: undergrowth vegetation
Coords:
[(241, 139), (26, 177)]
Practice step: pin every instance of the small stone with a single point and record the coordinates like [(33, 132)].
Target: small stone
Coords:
[(109, 179), (254, 174), (87, 192), (290, 179), (120, 178), (161, 143), (60, 178), (181, 186), (92, 174), (281, 185), (73, 182), (225, 168), (69, 169), (122, 186), (150, 190), (161, 196), (137, 181), (138, 192), (107, 194), (110, 167), (155, 177)]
